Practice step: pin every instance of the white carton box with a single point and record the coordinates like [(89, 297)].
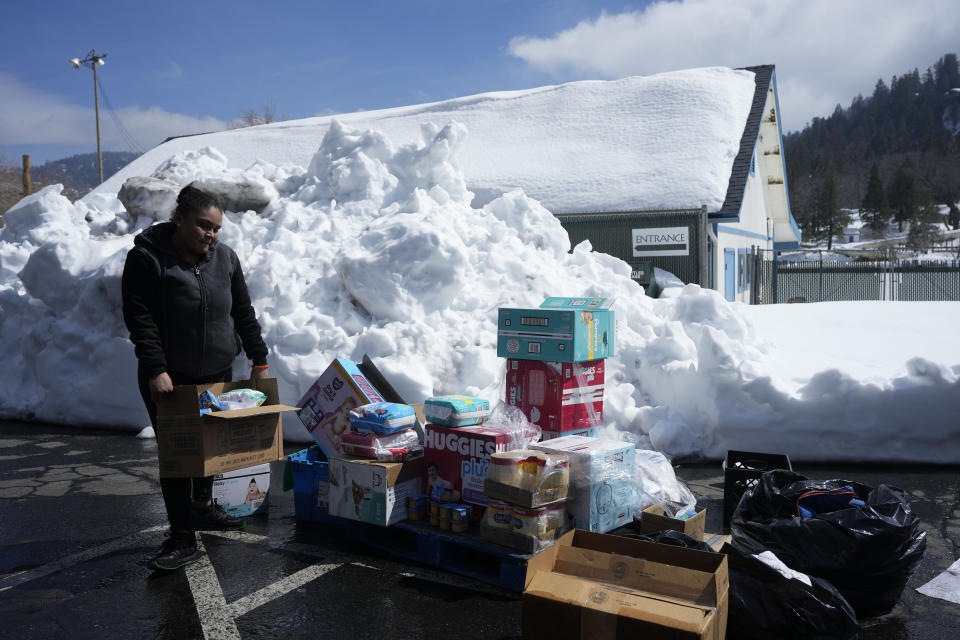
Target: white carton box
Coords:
[(242, 492)]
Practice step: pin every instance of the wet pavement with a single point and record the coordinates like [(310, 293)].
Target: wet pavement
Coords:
[(80, 512)]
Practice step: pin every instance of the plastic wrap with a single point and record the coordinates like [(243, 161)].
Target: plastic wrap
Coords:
[(867, 552), (395, 447), (511, 421), (456, 411), (528, 477), (241, 399), (655, 482), (601, 494), (382, 418)]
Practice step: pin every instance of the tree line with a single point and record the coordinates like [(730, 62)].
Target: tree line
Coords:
[(894, 155)]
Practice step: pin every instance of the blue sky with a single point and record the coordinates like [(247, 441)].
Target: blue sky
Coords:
[(181, 67)]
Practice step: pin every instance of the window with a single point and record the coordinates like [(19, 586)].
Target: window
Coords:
[(743, 266), (753, 164)]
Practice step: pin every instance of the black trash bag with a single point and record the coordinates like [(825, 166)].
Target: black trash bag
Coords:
[(766, 604), (867, 552)]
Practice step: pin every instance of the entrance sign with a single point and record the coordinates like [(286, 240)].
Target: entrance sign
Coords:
[(662, 241)]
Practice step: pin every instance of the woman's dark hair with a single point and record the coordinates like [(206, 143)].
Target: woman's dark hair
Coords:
[(191, 200)]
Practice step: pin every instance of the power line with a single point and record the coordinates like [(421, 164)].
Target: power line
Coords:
[(128, 137)]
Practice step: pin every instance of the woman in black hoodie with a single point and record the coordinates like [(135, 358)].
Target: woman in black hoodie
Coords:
[(186, 305)]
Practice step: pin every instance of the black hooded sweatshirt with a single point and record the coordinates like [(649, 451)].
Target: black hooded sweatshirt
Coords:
[(184, 318)]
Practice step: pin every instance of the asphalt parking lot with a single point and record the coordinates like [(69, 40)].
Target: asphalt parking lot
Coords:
[(80, 512)]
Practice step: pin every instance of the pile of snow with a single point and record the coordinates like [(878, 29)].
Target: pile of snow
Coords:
[(665, 141), (374, 248)]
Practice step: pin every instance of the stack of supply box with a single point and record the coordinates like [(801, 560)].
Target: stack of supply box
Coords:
[(379, 465), (365, 489), (526, 490), (457, 450), (555, 362), (555, 375)]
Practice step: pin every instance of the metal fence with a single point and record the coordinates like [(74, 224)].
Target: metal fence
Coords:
[(831, 280)]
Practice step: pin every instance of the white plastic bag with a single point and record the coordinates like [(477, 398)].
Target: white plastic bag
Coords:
[(656, 483)]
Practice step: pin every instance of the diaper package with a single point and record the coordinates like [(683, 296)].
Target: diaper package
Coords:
[(241, 399), (395, 447), (456, 411), (382, 418)]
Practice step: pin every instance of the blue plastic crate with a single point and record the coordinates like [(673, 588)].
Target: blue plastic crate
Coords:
[(311, 478)]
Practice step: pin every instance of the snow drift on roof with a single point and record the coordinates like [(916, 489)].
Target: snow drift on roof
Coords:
[(666, 141)]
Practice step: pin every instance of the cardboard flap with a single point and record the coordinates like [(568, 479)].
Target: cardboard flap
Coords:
[(235, 414), (641, 574), (619, 601)]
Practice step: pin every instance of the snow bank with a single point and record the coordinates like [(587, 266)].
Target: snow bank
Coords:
[(377, 248)]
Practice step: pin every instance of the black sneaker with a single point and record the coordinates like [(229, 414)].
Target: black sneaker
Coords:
[(214, 518), (176, 552)]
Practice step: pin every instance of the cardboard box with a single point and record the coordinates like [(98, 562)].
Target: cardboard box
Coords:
[(243, 492), (557, 396), (325, 407), (592, 432), (556, 334), (601, 494), (654, 519), (716, 540), (596, 586), (371, 491), (458, 458), (192, 445)]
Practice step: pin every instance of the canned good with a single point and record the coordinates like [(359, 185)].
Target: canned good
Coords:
[(434, 520), (531, 522), (460, 517), (499, 514), (556, 517)]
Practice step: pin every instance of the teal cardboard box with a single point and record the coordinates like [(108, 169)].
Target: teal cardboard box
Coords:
[(560, 330)]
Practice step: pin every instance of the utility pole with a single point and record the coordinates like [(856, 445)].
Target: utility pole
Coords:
[(94, 60), (27, 187)]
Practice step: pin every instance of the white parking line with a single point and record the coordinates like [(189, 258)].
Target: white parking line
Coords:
[(216, 618), (280, 588)]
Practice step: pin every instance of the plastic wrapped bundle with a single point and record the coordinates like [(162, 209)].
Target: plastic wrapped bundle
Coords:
[(241, 399), (601, 494), (395, 447), (382, 418), (864, 541), (456, 411), (528, 477)]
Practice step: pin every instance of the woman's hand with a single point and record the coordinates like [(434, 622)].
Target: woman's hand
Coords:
[(160, 383), (258, 374)]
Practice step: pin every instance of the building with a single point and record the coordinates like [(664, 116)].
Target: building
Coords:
[(681, 170)]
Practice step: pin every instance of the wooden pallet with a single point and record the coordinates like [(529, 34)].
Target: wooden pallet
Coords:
[(466, 554)]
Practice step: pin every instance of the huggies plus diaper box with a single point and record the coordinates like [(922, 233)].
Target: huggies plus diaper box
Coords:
[(561, 330), (458, 458), (557, 396), (242, 492), (325, 407), (372, 491)]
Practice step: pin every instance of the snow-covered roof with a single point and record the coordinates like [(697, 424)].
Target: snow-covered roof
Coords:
[(666, 141)]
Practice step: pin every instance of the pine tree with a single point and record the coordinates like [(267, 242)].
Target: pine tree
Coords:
[(827, 209), (923, 225), (874, 210), (903, 196)]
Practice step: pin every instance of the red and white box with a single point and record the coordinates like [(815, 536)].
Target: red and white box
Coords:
[(557, 396), (457, 458)]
